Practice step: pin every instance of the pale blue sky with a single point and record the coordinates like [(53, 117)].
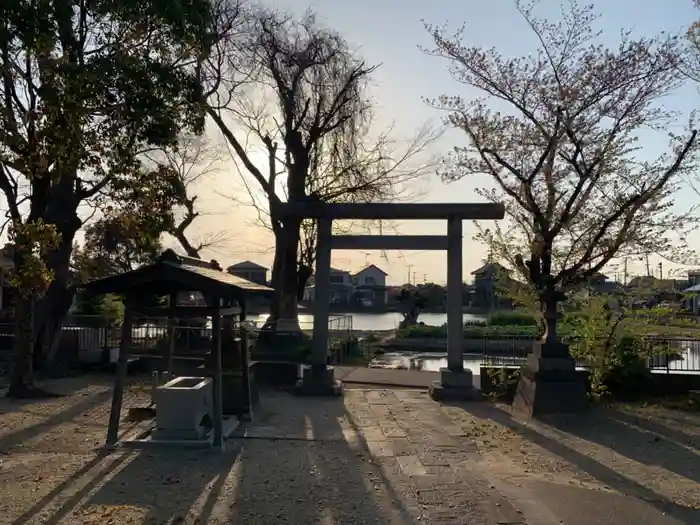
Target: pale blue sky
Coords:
[(389, 32)]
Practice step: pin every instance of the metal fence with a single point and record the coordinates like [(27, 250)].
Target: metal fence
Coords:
[(667, 355), (87, 338)]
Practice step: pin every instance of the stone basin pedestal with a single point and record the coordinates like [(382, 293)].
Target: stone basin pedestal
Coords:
[(184, 409)]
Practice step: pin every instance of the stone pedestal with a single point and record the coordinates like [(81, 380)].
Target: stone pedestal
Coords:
[(182, 406), (549, 383), (287, 325), (318, 380), (455, 386)]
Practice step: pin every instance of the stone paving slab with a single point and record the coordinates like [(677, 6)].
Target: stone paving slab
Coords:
[(386, 377)]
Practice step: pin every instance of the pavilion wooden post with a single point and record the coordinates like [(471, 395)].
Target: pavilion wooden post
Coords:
[(120, 377), (218, 374), (168, 361)]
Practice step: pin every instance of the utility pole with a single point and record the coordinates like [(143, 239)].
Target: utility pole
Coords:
[(625, 273), (646, 258), (409, 273), (425, 278), (661, 270)]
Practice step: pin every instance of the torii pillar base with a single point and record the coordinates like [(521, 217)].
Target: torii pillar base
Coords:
[(319, 381), (455, 386)]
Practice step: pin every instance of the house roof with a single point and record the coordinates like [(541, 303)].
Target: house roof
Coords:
[(649, 281), (490, 267), (177, 273), (335, 270), (247, 265), (371, 266)]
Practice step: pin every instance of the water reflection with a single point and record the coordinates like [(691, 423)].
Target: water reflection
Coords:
[(685, 360), (425, 362)]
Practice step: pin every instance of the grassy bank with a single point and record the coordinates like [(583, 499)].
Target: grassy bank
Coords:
[(521, 325)]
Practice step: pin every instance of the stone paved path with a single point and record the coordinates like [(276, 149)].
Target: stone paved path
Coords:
[(425, 453), (468, 465)]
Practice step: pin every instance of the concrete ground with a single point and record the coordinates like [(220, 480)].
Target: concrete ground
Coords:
[(375, 456)]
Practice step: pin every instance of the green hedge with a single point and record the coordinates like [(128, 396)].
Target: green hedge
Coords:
[(512, 319), (473, 331), (500, 324)]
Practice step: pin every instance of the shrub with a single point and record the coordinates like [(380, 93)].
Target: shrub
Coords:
[(423, 331), (473, 331), (627, 370), (502, 381)]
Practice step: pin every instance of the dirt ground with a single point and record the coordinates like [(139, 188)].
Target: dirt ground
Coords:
[(645, 451), (52, 470)]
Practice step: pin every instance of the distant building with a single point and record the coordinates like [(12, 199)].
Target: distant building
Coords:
[(599, 283), (250, 271), (692, 293), (364, 288), (488, 279), (370, 286)]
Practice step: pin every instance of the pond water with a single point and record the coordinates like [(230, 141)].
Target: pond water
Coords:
[(687, 362), (377, 322), (427, 362)]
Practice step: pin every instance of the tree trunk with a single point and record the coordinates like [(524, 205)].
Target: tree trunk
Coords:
[(284, 310), (53, 307), (22, 381), (22, 374)]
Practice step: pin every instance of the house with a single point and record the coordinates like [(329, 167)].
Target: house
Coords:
[(364, 288), (370, 286), (250, 271), (487, 281), (599, 283), (692, 294)]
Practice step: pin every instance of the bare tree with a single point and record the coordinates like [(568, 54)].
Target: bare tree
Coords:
[(314, 128), (193, 161), (563, 148)]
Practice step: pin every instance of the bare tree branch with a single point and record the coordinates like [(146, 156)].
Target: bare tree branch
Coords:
[(310, 113), (565, 152)]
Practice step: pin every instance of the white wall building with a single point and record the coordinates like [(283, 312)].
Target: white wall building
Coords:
[(366, 287)]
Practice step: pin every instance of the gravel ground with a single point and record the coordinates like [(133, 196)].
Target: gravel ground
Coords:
[(299, 469)]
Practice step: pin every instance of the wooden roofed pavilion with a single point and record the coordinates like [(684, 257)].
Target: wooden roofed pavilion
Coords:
[(172, 274)]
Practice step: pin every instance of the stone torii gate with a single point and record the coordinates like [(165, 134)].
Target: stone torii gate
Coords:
[(455, 381)]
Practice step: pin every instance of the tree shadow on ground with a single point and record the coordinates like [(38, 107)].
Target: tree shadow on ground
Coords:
[(634, 439), (62, 386), (300, 465), (163, 486), (90, 475), (587, 464), (90, 472), (663, 425), (63, 415)]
